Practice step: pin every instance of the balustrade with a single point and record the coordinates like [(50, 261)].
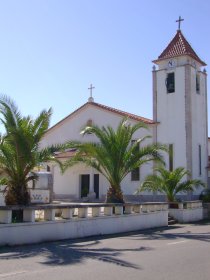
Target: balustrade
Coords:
[(54, 212)]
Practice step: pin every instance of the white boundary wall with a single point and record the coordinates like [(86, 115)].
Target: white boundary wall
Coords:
[(76, 227), (187, 215), (191, 211)]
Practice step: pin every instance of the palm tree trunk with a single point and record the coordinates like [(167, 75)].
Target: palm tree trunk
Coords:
[(22, 195), (17, 195), (114, 195)]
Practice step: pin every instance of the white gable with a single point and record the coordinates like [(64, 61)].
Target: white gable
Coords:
[(69, 183), (70, 127)]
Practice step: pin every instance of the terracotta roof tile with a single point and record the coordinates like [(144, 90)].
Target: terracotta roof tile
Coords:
[(110, 109), (177, 47), (66, 154), (124, 114)]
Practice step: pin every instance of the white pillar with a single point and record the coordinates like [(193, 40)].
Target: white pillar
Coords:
[(82, 212), (164, 206), (6, 216), (158, 207), (91, 188), (144, 208), (67, 213), (91, 193), (49, 214), (180, 205), (118, 210), (151, 208), (108, 211), (29, 215), (96, 211), (128, 209), (137, 208)]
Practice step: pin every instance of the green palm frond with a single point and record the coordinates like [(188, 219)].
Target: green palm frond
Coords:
[(19, 145), (113, 155), (170, 183)]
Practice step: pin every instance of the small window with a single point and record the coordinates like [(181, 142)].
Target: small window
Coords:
[(199, 160), (171, 157), (170, 83), (89, 124), (133, 141), (197, 83), (135, 174)]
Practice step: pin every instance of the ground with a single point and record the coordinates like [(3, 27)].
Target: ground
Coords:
[(176, 252)]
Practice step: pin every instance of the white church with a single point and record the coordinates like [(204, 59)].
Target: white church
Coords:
[(179, 121)]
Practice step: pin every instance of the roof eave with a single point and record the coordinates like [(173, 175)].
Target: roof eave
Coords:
[(174, 56), (103, 107)]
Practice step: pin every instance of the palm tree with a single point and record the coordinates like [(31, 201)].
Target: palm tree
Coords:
[(114, 156), (170, 183), (19, 149)]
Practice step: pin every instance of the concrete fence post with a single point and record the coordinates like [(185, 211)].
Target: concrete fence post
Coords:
[(108, 211), (49, 214), (137, 208), (118, 210), (6, 216), (29, 215), (128, 210), (67, 213), (96, 211), (82, 212)]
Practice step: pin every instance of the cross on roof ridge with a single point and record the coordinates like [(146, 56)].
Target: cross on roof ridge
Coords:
[(90, 99), (179, 22)]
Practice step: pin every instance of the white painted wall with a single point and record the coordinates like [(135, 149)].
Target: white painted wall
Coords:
[(70, 128), (2, 199), (69, 182), (187, 215), (199, 126), (172, 110), (171, 115), (28, 233)]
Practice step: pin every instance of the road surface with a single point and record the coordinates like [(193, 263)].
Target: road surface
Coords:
[(177, 252)]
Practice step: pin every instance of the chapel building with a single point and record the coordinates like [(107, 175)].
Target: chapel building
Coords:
[(179, 121)]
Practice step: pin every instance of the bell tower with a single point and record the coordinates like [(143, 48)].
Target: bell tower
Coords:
[(180, 106)]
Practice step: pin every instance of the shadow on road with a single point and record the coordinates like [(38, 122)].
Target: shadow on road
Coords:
[(70, 252), (172, 233)]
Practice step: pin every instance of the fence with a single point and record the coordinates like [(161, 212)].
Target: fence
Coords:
[(63, 221), (188, 211)]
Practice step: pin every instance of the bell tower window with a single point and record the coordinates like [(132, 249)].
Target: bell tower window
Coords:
[(199, 160), (170, 82), (171, 157), (197, 83)]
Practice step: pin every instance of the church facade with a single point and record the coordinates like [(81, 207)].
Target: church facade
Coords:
[(179, 121)]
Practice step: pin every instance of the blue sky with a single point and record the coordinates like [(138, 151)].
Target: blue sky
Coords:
[(51, 50)]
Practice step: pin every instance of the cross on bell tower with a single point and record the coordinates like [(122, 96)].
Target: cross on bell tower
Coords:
[(90, 99), (179, 21)]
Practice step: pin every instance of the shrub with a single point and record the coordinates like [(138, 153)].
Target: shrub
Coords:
[(205, 195)]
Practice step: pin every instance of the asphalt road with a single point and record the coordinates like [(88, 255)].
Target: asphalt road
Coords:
[(177, 252)]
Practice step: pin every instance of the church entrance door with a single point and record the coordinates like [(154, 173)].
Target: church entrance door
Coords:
[(96, 185), (85, 185)]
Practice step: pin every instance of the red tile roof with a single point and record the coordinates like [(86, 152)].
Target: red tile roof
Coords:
[(66, 154), (110, 109), (178, 47), (124, 114)]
